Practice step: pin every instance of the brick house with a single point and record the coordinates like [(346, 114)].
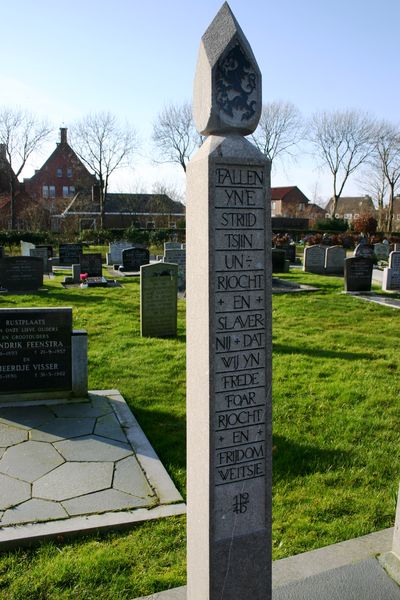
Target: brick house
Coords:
[(23, 204), (144, 211), (61, 177), (288, 202), (349, 208)]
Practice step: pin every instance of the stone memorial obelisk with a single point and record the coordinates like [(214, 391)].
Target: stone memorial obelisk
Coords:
[(228, 328)]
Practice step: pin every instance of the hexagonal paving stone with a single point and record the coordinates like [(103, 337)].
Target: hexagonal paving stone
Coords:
[(129, 478), (13, 491), (2, 450), (109, 427), (74, 479), (83, 409), (92, 448), (9, 435), (33, 511), (30, 460), (61, 429), (109, 500), (26, 416)]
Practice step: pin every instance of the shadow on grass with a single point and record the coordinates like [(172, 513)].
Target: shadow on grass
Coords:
[(320, 352), (292, 460)]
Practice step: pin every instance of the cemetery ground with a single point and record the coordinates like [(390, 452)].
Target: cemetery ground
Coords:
[(336, 433)]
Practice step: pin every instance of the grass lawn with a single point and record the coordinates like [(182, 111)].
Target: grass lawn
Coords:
[(336, 434)]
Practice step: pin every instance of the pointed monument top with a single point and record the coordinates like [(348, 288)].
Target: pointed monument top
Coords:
[(227, 86)]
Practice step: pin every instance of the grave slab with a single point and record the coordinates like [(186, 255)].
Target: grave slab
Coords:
[(74, 494)]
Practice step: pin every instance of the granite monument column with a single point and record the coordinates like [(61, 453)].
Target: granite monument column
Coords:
[(228, 328)]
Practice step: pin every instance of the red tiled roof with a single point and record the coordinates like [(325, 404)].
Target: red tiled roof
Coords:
[(277, 193)]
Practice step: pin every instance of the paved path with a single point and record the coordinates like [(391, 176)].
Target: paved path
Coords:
[(64, 460)]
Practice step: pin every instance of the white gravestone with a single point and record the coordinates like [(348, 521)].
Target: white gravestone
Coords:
[(114, 254), (228, 328), (314, 259), (391, 274), (334, 260)]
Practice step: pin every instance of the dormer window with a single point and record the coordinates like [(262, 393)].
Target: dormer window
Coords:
[(69, 172), (59, 172)]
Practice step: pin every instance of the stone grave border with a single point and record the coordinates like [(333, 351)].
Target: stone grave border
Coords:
[(171, 502)]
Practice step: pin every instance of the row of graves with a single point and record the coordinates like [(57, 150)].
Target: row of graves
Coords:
[(357, 269)]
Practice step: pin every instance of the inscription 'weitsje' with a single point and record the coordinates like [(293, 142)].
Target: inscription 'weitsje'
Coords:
[(240, 379)]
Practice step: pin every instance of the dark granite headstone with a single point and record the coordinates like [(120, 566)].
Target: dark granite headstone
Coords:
[(97, 282), (69, 254), (43, 254), (278, 260), (358, 274), (133, 258), (49, 249), (35, 349), (290, 251), (1, 251), (21, 273), (364, 249), (92, 264)]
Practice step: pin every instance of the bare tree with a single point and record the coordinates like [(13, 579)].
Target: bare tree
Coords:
[(343, 140), (280, 129), (386, 161), (104, 145), (21, 134), (169, 189), (174, 134)]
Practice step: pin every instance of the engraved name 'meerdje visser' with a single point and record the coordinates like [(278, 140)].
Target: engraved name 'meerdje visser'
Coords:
[(240, 386)]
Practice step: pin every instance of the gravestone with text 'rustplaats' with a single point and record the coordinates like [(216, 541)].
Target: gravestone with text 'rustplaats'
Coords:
[(69, 254), (35, 349), (133, 258), (334, 260), (92, 264), (314, 259), (158, 300), (391, 274), (21, 273), (358, 274), (228, 300)]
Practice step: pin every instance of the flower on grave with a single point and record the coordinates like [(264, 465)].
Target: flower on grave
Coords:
[(83, 276)]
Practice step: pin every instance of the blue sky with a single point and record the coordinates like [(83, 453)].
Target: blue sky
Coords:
[(64, 60)]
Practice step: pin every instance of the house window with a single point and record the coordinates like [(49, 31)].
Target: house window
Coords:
[(52, 191), (45, 191), (302, 205), (172, 225), (69, 172), (356, 216), (59, 172), (273, 205), (348, 216), (68, 190)]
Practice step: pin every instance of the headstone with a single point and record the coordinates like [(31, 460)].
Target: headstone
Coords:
[(43, 254), (1, 252), (158, 300), (35, 349), (114, 255), (177, 257), (69, 254), (21, 273), (334, 260), (92, 264), (133, 258), (396, 247), (76, 273), (172, 246), (48, 247), (290, 251), (278, 260), (26, 247), (228, 328), (364, 249), (96, 282), (391, 274), (381, 251), (358, 274), (314, 259)]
